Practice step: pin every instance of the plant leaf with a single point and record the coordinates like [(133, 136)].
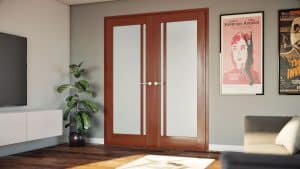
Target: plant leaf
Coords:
[(81, 71), (93, 107), (66, 113), (72, 66), (84, 84), (69, 98), (72, 103), (86, 120), (63, 87), (78, 120), (89, 92), (79, 87), (79, 65), (67, 125), (77, 74), (75, 69)]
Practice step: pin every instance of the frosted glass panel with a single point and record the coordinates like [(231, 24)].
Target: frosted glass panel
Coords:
[(127, 77), (181, 79)]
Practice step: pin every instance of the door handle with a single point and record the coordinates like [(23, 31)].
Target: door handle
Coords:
[(156, 83), (146, 83)]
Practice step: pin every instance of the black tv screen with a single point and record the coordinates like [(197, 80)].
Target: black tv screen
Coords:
[(13, 70)]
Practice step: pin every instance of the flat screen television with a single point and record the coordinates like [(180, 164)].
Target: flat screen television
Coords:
[(13, 70)]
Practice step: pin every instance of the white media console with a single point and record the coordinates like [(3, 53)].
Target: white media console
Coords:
[(17, 127)]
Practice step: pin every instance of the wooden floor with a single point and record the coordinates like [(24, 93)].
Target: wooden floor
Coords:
[(89, 157)]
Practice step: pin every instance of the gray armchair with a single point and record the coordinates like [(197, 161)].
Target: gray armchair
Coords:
[(261, 152)]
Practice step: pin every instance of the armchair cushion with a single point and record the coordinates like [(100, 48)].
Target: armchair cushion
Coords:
[(260, 138), (267, 149), (289, 136)]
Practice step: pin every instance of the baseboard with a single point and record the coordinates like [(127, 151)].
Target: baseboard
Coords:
[(95, 140), (30, 146), (220, 148), (212, 147)]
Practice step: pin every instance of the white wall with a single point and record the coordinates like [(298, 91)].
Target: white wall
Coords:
[(46, 24), (226, 113)]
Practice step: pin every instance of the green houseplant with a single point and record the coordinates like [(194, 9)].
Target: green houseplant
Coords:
[(78, 110)]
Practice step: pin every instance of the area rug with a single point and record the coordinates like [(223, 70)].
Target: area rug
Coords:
[(167, 162)]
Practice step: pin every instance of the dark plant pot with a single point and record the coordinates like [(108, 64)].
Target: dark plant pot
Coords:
[(76, 140)]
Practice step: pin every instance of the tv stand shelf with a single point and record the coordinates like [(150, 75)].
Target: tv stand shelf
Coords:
[(18, 127)]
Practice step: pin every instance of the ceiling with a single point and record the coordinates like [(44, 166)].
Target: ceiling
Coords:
[(74, 2)]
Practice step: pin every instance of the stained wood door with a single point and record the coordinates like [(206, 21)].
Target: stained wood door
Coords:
[(156, 80), (124, 77), (184, 79)]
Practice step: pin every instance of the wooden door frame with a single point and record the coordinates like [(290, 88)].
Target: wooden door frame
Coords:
[(153, 141)]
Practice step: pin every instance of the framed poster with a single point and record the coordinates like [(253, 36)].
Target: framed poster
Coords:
[(242, 54), (289, 51)]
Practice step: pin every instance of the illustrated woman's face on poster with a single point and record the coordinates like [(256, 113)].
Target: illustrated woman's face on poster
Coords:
[(239, 50)]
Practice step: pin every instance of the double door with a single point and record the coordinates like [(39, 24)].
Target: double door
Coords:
[(156, 80)]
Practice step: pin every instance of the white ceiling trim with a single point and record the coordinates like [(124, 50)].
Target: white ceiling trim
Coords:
[(75, 2)]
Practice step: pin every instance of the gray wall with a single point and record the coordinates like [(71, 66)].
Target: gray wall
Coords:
[(46, 24), (226, 113)]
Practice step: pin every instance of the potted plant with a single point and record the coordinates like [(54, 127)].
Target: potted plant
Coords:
[(78, 110)]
